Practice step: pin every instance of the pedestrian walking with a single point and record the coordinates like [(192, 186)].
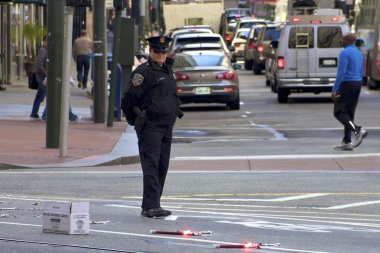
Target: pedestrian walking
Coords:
[(151, 105), (41, 73), (346, 91), (81, 51), (41, 76)]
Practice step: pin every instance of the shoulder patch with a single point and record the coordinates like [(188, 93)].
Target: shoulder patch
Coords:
[(137, 79)]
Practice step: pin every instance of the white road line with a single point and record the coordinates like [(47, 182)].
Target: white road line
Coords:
[(270, 157), (169, 238), (352, 205), (305, 196)]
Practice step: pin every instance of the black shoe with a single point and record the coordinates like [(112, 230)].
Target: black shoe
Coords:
[(155, 212)]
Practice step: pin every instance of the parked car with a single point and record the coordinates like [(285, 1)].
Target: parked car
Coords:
[(207, 77), (228, 22), (184, 39), (242, 3), (238, 43), (266, 35)]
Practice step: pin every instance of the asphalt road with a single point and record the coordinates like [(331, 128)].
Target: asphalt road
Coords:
[(304, 126), (303, 211)]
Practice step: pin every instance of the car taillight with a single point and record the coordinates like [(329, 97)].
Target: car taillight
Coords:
[(226, 75), (228, 36), (251, 45), (280, 62), (237, 44), (181, 77), (260, 48)]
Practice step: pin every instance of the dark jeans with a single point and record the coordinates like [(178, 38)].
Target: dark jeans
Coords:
[(83, 66), (154, 148), (345, 106), (40, 96)]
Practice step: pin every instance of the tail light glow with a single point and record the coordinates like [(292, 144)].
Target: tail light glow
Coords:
[(280, 62), (251, 45), (296, 19), (260, 48), (315, 22), (228, 36), (335, 19), (181, 77), (226, 75), (237, 44)]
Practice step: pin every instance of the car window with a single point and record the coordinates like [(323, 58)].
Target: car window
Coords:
[(183, 41), (242, 33), (271, 33), (301, 37), (248, 24), (329, 37), (194, 60)]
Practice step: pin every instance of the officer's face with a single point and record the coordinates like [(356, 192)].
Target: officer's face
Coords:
[(158, 56)]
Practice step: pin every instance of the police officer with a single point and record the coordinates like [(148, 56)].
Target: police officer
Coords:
[(151, 105)]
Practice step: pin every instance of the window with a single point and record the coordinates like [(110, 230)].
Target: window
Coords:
[(201, 59), (329, 37), (301, 37)]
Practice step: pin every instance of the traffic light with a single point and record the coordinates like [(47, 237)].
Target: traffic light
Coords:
[(118, 4), (78, 3)]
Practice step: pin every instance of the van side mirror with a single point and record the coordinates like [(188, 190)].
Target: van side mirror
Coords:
[(274, 44)]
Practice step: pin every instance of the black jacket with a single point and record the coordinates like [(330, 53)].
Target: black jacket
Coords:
[(154, 89)]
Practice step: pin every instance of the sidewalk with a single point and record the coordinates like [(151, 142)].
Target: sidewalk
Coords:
[(23, 142)]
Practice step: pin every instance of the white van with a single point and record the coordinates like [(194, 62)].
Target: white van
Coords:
[(307, 54)]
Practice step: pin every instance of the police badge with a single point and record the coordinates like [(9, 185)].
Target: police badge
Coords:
[(137, 79)]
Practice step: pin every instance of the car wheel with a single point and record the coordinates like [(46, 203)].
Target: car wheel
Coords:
[(256, 69), (234, 105), (282, 95), (248, 64)]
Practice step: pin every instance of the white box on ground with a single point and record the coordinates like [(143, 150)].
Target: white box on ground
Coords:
[(66, 217)]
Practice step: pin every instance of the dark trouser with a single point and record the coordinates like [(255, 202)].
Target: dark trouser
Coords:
[(345, 106), (83, 66), (154, 148), (40, 96)]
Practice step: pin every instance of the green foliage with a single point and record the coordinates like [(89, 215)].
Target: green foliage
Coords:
[(33, 34)]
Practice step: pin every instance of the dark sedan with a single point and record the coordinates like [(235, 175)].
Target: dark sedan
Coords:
[(207, 77)]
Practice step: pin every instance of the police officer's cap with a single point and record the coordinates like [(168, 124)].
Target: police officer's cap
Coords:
[(159, 42)]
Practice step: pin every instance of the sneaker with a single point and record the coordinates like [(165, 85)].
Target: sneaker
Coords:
[(155, 212), (359, 137), (344, 146), (79, 84), (34, 117)]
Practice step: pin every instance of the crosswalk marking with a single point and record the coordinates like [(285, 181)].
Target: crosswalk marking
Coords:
[(352, 205)]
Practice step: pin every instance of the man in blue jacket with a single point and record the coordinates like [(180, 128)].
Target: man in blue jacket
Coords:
[(346, 91)]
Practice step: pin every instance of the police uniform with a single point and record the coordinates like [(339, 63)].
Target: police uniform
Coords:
[(151, 104)]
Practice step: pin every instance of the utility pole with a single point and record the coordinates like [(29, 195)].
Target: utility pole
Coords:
[(100, 60), (55, 24), (67, 49), (115, 60)]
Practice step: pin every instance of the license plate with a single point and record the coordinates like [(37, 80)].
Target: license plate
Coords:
[(327, 62), (202, 90)]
